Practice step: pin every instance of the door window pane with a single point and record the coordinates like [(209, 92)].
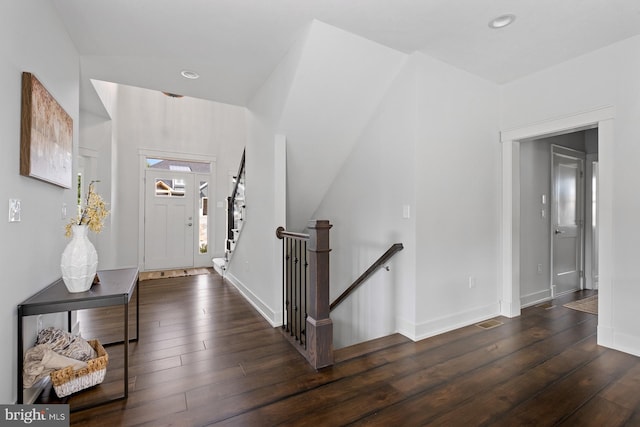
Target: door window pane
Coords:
[(167, 187), (203, 241), (567, 197), (179, 165)]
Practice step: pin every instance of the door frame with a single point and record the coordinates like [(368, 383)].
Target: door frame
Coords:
[(143, 153), (603, 119)]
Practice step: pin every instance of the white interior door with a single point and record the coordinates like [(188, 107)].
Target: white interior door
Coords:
[(567, 221), (169, 219)]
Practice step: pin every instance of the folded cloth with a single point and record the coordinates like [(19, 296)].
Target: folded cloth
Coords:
[(40, 361), (53, 360), (66, 344)]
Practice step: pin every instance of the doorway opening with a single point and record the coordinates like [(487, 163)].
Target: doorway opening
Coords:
[(558, 215), (602, 119)]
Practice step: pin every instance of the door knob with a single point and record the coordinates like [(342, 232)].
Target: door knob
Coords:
[(189, 224), (558, 231)]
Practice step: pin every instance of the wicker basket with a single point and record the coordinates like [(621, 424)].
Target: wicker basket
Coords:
[(67, 381)]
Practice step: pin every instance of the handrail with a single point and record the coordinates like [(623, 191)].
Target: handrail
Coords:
[(396, 247), (282, 233), (231, 202), (240, 169)]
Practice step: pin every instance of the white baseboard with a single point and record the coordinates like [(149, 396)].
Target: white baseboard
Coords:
[(417, 332), (605, 336), (273, 317), (608, 337), (406, 328), (535, 298), (31, 394), (220, 266)]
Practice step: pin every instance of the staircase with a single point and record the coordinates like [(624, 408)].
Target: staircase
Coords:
[(235, 218)]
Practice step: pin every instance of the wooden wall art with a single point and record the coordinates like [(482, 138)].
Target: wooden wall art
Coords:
[(46, 135)]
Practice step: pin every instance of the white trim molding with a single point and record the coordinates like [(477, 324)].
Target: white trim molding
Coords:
[(559, 125), (456, 321), (603, 119), (143, 154), (420, 331), (273, 317)]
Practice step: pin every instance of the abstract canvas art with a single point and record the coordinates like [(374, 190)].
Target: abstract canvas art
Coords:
[(46, 135)]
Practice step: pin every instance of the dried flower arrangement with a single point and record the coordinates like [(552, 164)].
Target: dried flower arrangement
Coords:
[(92, 214)]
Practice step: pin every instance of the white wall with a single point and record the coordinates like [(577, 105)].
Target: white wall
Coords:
[(591, 237), (253, 268), (96, 135), (535, 241), (457, 178), (339, 81), (432, 145), (535, 181), (430, 141), (365, 205), (149, 120), (607, 77), (320, 97), (32, 39)]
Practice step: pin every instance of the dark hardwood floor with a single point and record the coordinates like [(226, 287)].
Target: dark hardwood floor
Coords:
[(205, 357)]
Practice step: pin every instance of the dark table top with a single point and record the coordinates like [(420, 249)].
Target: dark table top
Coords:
[(115, 288)]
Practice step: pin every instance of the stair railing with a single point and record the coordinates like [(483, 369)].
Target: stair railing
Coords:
[(380, 262), (305, 271), (235, 209)]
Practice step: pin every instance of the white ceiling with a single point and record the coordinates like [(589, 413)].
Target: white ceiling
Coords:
[(235, 44)]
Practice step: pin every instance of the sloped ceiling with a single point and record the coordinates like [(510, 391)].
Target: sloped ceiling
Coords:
[(340, 80), (235, 44)]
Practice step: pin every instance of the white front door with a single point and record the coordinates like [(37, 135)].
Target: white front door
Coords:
[(567, 220), (169, 219)]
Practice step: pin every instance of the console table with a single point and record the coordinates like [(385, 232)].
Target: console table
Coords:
[(116, 287)]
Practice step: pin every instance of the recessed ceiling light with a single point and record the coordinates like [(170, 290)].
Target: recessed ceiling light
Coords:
[(188, 74), (502, 21)]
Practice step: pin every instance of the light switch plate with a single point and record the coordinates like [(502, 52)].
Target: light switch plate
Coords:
[(15, 211), (406, 211)]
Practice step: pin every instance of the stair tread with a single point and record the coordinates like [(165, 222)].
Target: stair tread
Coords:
[(356, 350)]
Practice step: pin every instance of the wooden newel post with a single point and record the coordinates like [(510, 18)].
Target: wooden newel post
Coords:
[(319, 325)]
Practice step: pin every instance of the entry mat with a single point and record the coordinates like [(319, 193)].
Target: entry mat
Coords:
[(168, 274), (588, 305)]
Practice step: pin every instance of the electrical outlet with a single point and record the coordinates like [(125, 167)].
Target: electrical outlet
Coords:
[(39, 323), (472, 282), (539, 268)]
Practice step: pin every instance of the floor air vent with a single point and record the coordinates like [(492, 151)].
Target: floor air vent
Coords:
[(546, 305), (489, 324)]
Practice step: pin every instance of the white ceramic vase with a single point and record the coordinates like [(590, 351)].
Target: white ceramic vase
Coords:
[(79, 261)]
